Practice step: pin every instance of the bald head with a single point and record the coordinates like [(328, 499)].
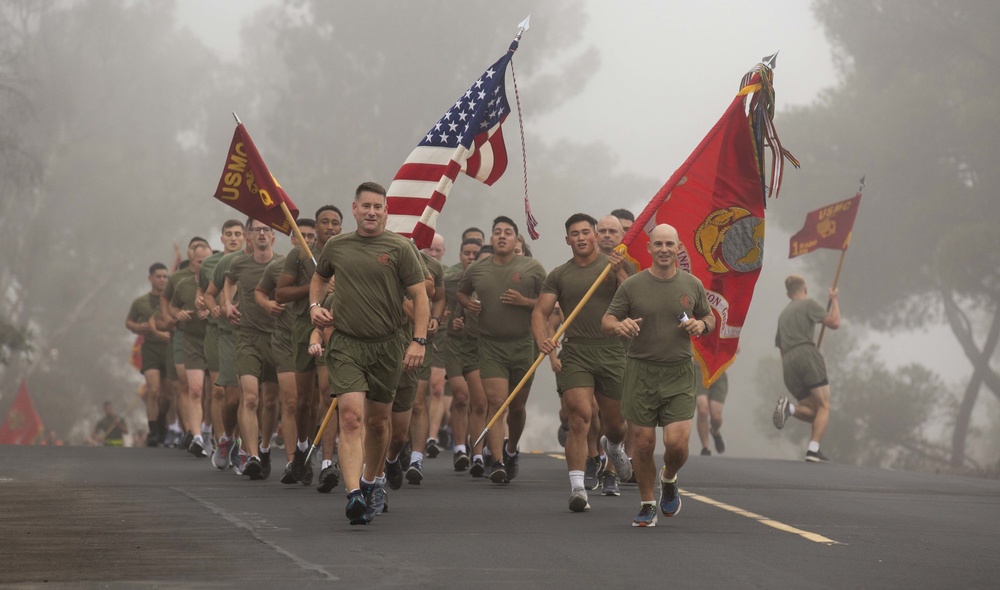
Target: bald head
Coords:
[(664, 231), (664, 246), (609, 233), (436, 249)]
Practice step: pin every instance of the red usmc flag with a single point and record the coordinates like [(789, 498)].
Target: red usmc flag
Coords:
[(247, 185), (23, 424), (829, 227)]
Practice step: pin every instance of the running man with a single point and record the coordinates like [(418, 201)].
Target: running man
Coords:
[(154, 345), (192, 323), (710, 402), (660, 309)]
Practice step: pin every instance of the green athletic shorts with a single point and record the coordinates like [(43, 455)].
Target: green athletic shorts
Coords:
[(406, 392), (804, 369), (507, 359), (283, 350), (227, 360), (177, 341), (461, 356), (302, 330), (438, 344), (424, 373), (372, 366), (212, 348), (194, 352), (718, 391), (168, 352), (253, 355), (599, 364), (154, 355), (657, 394)]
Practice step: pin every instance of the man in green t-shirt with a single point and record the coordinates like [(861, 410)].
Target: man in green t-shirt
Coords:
[(660, 310), (592, 363), (803, 367), (370, 346), (154, 346), (293, 290), (436, 408), (506, 287), (110, 430), (254, 361), (193, 323)]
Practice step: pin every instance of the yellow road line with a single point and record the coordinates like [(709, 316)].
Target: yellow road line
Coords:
[(557, 456), (814, 537)]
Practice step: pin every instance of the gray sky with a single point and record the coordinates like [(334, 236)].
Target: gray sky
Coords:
[(696, 50)]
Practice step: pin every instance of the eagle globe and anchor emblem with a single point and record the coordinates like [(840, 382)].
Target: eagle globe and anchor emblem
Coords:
[(731, 239)]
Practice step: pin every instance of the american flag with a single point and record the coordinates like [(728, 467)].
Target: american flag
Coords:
[(468, 139)]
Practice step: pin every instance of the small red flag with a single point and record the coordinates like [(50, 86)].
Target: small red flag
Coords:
[(715, 200), (137, 352), (247, 185), (23, 424), (829, 227)]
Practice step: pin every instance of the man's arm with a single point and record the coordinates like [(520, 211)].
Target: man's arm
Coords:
[(287, 291), (437, 309), (627, 327), (421, 316), (544, 307), (832, 319), (320, 316)]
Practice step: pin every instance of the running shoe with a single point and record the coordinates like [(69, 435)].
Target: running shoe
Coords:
[(415, 473), (590, 473), (705, 452), (151, 440), (561, 435), (234, 454), (578, 500), (487, 461), (618, 458), (461, 461), (432, 449), (720, 443), (370, 508), (781, 413), (498, 474), (253, 469), (298, 465), (670, 499), (172, 438), (380, 500), (241, 462), (477, 469), (186, 441), (816, 457), (609, 483), (646, 516), (632, 479), (394, 474), (265, 464), (512, 462), (288, 478), (307, 475), (328, 479), (196, 449), (357, 507)]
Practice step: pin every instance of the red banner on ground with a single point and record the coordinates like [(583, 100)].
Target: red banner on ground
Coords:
[(247, 185), (23, 424), (829, 227)]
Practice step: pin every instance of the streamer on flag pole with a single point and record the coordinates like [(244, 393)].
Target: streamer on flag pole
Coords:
[(467, 139)]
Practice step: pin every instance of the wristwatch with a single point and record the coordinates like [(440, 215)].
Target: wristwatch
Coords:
[(421, 341), (707, 329)]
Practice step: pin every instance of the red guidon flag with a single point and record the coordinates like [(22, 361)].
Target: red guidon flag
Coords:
[(715, 200), (467, 139), (829, 227), (23, 424), (247, 185)]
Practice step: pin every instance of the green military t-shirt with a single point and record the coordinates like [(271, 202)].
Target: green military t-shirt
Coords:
[(797, 323), (372, 276), (490, 280), (143, 308), (659, 302), (452, 309), (246, 273), (570, 282), (436, 270), (205, 277), (218, 278), (168, 291), (185, 292), (301, 268), (268, 283)]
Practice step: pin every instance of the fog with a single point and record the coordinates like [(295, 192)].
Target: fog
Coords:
[(119, 120)]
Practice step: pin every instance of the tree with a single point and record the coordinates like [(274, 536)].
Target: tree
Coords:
[(916, 111)]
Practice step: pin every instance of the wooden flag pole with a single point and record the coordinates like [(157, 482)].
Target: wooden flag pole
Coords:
[(322, 428), (836, 278), (297, 231), (542, 355), (119, 419)]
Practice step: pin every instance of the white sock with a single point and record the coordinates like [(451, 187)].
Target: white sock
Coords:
[(474, 457), (199, 440), (380, 480), (366, 482), (416, 456), (663, 478), (575, 480), (791, 409), (460, 449), (176, 426), (813, 446), (265, 449), (326, 463), (302, 445), (206, 428)]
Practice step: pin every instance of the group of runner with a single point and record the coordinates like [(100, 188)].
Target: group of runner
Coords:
[(235, 340)]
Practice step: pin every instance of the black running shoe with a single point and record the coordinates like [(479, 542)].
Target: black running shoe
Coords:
[(720, 443), (370, 508), (512, 462), (590, 480), (197, 450), (152, 440), (287, 477), (816, 457), (265, 464), (357, 507), (186, 441), (415, 473), (298, 464), (328, 479), (394, 474), (477, 469), (705, 452), (254, 469), (307, 475), (498, 474), (461, 461), (432, 449)]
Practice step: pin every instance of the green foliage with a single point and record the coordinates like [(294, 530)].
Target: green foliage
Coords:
[(13, 341)]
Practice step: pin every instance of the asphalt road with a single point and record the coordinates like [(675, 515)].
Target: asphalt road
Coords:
[(159, 518)]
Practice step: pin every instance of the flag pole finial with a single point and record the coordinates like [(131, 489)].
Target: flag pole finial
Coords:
[(771, 61), (522, 27), (861, 183), (238, 122)]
